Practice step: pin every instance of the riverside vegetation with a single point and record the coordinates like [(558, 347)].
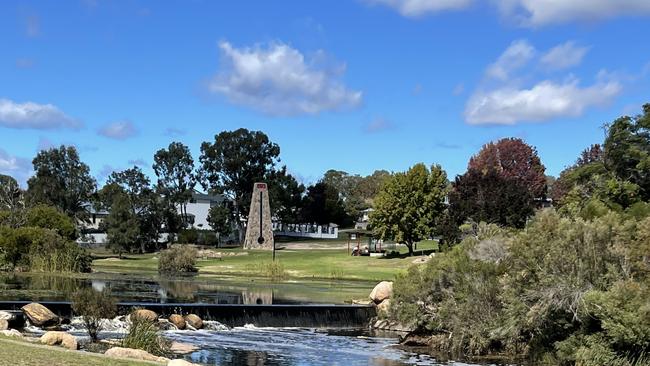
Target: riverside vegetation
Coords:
[(570, 287)]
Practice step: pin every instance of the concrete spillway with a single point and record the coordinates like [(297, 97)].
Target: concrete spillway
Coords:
[(234, 315)]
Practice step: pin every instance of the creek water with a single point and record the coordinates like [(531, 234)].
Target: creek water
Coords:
[(252, 346), (248, 345)]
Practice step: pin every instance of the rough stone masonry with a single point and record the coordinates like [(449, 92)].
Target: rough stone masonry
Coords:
[(259, 232)]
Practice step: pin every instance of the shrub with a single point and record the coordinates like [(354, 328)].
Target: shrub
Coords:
[(565, 290), (38, 249), (93, 306), (48, 217), (178, 259), (188, 236), (144, 335)]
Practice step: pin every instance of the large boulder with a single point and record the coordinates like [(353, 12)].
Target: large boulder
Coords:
[(194, 321), (178, 321), (39, 315), (381, 292), (136, 354), (11, 333), (383, 307), (64, 339), (5, 315), (145, 315), (4, 324)]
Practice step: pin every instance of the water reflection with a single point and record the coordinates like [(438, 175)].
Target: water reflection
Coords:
[(44, 287)]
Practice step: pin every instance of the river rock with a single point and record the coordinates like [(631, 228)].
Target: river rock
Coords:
[(179, 362), (381, 292), (178, 321), (64, 339), (182, 348), (4, 324), (194, 321), (5, 315), (145, 315), (39, 315), (136, 354), (383, 307), (11, 333)]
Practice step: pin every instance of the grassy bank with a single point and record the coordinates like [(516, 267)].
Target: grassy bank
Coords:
[(301, 264), (15, 352)]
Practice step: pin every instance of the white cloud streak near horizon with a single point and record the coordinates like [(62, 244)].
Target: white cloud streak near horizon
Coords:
[(30, 115), (279, 80)]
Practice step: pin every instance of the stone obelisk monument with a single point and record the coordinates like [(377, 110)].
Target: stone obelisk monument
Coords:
[(259, 232)]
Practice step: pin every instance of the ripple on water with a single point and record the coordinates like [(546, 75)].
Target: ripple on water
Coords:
[(294, 347)]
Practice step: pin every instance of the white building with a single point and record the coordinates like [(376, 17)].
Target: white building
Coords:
[(199, 207), (314, 231)]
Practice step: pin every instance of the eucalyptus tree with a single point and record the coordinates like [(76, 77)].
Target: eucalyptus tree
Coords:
[(174, 168), (233, 162), (62, 180)]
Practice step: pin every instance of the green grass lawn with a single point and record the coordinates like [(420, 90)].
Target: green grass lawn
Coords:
[(15, 352), (303, 263)]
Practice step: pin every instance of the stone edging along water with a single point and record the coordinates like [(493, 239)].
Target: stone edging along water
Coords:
[(234, 315)]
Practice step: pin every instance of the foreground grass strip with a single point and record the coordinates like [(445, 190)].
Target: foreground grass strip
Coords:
[(13, 352)]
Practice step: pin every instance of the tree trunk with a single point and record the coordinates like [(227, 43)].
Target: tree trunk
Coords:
[(410, 246)]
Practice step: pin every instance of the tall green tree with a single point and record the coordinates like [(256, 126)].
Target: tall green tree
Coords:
[(285, 195), (627, 150), (62, 180), (323, 205), (220, 219), (234, 162), (122, 226), (174, 168), (409, 205), (135, 184)]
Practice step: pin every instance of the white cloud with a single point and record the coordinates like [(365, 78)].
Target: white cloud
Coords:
[(510, 92), (416, 8), (119, 130), (518, 54), (543, 101), (19, 168), (377, 125), (564, 56), (31, 115), (279, 80), (535, 13)]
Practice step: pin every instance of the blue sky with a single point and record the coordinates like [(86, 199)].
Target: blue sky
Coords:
[(355, 85)]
